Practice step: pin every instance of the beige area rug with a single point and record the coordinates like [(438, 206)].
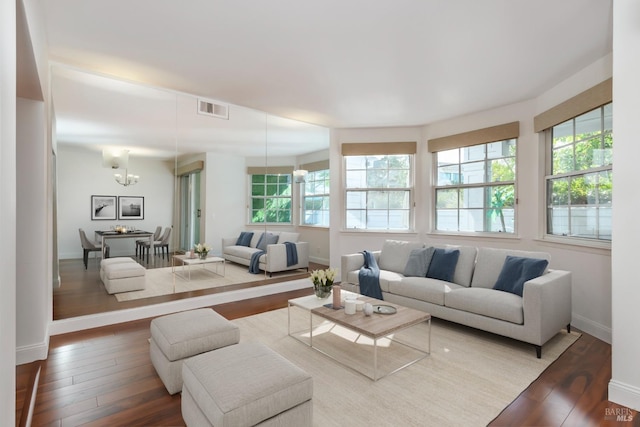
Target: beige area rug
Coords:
[(467, 380), (162, 281)]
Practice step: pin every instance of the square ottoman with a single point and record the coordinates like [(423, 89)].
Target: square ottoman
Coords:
[(122, 275), (181, 335), (245, 385)]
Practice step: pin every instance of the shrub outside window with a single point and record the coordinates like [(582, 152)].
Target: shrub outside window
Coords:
[(378, 192), (579, 184), (475, 188), (271, 198), (315, 200)]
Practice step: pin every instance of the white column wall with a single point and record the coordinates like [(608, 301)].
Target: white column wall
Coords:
[(225, 210), (624, 387), (32, 255), (8, 212)]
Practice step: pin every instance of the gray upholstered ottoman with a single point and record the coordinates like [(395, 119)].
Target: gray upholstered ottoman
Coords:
[(245, 385), (122, 274), (178, 336)]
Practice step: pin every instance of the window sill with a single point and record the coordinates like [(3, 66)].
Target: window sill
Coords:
[(579, 243), (486, 236), (364, 230)]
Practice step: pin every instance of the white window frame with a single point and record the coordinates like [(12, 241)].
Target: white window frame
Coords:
[(324, 211), (251, 197), (410, 189), (484, 185), (571, 238)]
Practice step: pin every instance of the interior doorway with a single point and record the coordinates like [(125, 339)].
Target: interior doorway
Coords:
[(190, 211)]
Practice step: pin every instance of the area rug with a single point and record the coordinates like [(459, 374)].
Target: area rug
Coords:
[(163, 281), (469, 377)]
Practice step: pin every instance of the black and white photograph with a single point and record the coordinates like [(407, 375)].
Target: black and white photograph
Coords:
[(130, 207), (103, 207)]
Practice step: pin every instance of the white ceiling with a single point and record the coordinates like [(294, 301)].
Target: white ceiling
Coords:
[(335, 63)]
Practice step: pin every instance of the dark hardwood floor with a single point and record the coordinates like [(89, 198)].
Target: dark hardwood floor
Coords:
[(82, 292), (104, 377)]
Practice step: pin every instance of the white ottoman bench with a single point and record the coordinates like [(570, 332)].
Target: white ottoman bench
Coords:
[(122, 274), (245, 385), (178, 336)]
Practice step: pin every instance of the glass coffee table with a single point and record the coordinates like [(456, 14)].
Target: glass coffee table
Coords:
[(188, 262), (369, 345)]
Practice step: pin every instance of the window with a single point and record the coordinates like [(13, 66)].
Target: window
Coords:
[(271, 198), (475, 188), (579, 180), (315, 199), (378, 191)]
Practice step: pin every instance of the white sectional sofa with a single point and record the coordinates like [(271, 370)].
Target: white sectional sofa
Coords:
[(275, 257), (535, 317)]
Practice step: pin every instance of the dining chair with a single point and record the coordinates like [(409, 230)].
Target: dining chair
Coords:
[(90, 246), (162, 243), (141, 242)]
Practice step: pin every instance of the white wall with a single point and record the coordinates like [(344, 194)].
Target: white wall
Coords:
[(225, 209), (591, 268), (81, 175), (8, 212), (31, 225), (624, 387)]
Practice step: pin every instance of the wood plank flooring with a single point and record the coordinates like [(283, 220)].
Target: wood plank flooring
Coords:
[(104, 377), (82, 292)]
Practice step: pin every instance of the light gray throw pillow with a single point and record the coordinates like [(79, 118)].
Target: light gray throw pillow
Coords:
[(418, 263)]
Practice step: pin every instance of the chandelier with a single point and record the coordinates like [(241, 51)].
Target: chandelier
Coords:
[(127, 179)]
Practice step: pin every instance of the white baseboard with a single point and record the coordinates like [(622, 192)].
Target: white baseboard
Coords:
[(318, 260), (64, 326), (598, 330), (624, 394), (31, 353)]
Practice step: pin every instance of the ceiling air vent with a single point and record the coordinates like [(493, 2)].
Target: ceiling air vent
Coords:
[(210, 108)]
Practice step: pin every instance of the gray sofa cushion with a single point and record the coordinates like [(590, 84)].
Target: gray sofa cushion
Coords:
[(240, 251), (422, 288), (395, 254), (466, 264), (266, 239), (288, 236), (490, 262), (487, 302)]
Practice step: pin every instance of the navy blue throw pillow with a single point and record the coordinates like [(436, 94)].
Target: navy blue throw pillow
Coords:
[(245, 238), (443, 264), (517, 270)]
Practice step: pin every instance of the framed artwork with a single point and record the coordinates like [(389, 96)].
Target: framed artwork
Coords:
[(103, 207), (130, 207)]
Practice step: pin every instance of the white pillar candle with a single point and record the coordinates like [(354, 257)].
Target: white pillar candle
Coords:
[(350, 306)]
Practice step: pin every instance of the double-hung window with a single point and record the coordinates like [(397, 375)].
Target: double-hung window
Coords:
[(579, 166), (379, 185), (270, 197), (475, 181), (579, 184), (315, 195)]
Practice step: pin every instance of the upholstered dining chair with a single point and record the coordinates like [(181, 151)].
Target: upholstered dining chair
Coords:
[(162, 244), (140, 243), (90, 246)]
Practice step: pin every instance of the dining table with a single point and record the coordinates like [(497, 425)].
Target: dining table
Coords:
[(103, 235)]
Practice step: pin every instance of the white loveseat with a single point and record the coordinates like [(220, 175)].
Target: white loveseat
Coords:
[(542, 311), (275, 257)]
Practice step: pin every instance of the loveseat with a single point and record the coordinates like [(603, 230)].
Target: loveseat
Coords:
[(274, 258), (469, 298)]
